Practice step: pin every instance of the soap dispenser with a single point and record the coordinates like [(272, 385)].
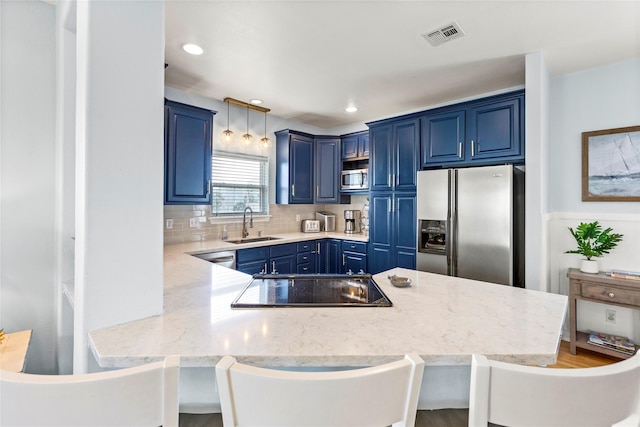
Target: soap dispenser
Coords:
[(224, 233)]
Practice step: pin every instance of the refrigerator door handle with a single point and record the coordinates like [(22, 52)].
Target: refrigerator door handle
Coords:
[(452, 269)]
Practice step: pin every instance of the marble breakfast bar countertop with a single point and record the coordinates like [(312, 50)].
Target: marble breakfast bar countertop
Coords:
[(443, 319)]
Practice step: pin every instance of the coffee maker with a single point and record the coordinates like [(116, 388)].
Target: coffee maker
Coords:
[(352, 222)]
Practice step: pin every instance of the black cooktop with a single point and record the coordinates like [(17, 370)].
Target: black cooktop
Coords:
[(311, 290)]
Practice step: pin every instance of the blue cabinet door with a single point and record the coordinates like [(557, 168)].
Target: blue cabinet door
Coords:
[(380, 232), (350, 147), (405, 229), (252, 267), (301, 170), (406, 141), (381, 158), (443, 138), (322, 256), (294, 167), (494, 130), (363, 145), (327, 170), (187, 154), (334, 253), (354, 262), (283, 264)]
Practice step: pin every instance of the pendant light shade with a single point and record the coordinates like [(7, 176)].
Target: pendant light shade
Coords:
[(227, 135), (265, 143), (247, 138)]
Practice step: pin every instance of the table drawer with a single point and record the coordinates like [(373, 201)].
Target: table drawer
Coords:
[(610, 294)]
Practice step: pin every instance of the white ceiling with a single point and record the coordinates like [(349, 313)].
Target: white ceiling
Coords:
[(308, 60)]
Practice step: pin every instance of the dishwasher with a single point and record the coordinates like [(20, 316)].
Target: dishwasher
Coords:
[(223, 258)]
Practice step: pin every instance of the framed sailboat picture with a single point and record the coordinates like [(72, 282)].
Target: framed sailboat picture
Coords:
[(611, 165)]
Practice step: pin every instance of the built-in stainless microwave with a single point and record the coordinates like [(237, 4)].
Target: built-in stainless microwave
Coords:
[(355, 179)]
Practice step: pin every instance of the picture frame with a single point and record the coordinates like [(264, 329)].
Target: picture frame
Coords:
[(611, 165)]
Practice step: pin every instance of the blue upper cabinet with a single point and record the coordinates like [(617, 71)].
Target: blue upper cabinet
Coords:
[(355, 146), (486, 131), (327, 170), (187, 154), (394, 155), (443, 138), (295, 167), (381, 158), (494, 130), (406, 139)]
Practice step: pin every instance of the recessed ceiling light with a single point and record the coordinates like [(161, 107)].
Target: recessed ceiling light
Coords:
[(351, 109), (193, 49), (256, 101)]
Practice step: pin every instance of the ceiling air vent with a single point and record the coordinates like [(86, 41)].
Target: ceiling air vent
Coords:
[(444, 34)]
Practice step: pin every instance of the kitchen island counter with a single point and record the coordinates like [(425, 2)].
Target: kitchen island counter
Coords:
[(443, 319)]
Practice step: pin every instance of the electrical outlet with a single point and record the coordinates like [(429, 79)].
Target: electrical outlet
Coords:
[(193, 222), (611, 316), (169, 223), (298, 217)]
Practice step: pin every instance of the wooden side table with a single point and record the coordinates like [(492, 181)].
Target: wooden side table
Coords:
[(603, 289), (13, 350)]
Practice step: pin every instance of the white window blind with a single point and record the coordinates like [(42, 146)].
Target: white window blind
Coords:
[(238, 181)]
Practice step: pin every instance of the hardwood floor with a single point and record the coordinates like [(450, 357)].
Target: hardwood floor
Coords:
[(442, 417)]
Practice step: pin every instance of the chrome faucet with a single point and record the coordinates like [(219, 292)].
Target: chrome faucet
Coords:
[(245, 232)]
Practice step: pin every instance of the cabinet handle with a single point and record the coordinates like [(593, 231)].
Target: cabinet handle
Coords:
[(317, 191), (208, 187), (611, 295), (264, 270), (273, 267), (293, 190), (473, 148), (460, 150), (343, 260), (318, 248)]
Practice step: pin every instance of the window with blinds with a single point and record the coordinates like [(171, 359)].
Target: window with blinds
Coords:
[(238, 181)]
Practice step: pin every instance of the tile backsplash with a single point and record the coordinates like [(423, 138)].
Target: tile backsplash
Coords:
[(191, 222)]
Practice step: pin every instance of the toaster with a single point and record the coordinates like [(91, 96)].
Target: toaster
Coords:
[(310, 226)]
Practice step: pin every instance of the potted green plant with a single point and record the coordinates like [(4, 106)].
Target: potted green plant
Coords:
[(593, 242)]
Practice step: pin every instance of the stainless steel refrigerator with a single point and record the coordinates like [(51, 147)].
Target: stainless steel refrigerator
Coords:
[(471, 223)]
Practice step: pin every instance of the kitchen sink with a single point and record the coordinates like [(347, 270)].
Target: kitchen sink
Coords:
[(253, 239)]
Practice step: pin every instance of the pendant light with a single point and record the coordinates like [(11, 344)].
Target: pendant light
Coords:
[(246, 138), (227, 135), (265, 142)]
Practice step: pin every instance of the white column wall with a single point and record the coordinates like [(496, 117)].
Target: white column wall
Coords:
[(119, 166), (27, 143), (536, 137)]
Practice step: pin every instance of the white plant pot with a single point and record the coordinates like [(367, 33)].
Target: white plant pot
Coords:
[(589, 266)]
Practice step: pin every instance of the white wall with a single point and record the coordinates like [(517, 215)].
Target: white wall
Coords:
[(599, 98), (27, 141)]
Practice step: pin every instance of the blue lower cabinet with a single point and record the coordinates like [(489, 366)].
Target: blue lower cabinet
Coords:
[(282, 258), (392, 231), (267, 259), (354, 257), (253, 260)]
